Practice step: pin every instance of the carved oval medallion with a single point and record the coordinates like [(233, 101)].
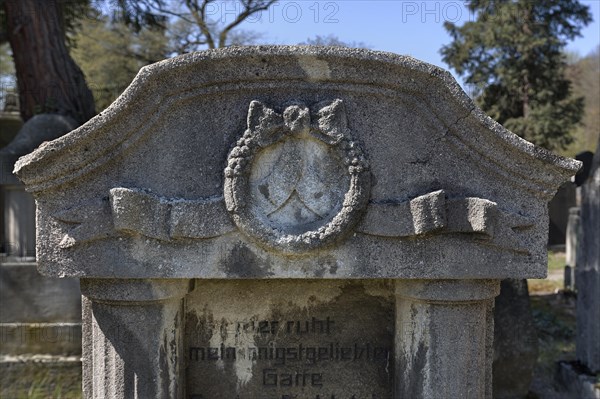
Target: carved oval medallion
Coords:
[(296, 181)]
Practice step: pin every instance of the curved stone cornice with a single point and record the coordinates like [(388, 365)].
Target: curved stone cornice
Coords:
[(159, 86)]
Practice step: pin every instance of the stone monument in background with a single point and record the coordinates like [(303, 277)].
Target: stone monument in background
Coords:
[(580, 378), (588, 273), (588, 270), (40, 317), (291, 222), (558, 210)]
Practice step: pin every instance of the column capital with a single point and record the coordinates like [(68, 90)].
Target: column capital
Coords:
[(115, 291), (448, 290)]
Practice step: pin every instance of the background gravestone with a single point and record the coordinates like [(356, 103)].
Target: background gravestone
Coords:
[(580, 378), (588, 270), (18, 207), (515, 341), (558, 209), (40, 317), (283, 222), (10, 119)]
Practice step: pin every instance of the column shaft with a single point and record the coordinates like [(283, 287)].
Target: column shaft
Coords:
[(132, 340), (444, 336)]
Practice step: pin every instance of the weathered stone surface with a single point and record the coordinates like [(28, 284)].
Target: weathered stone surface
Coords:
[(10, 124), (40, 317), (338, 220), (132, 337), (571, 248), (576, 384), (28, 297), (300, 192), (587, 271), (18, 227), (444, 338), (41, 128), (412, 132), (274, 339), (515, 341), (571, 240), (558, 211)]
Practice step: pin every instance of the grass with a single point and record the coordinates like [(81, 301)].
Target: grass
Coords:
[(34, 381), (554, 283), (556, 261), (544, 287), (554, 319)]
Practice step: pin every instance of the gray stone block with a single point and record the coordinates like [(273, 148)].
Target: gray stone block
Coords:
[(575, 383), (515, 341), (28, 297), (353, 107), (245, 188), (314, 333), (18, 226), (588, 271), (558, 210), (569, 279)]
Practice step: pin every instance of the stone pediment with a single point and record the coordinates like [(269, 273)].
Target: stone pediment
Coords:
[(285, 162)]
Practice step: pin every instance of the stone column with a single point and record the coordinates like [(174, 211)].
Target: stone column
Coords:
[(444, 338), (571, 241), (588, 271), (132, 333), (19, 222)]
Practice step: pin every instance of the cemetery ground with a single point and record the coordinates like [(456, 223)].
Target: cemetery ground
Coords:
[(554, 316)]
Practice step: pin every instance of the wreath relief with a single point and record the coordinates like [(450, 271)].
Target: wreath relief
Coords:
[(296, 181)]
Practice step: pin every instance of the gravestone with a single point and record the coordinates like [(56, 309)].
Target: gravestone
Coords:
[(573, 225), (588, 271), (580, 378), (571, 248), (10, 119), (558, 209), (291, 222), (40, 317), (515, 341), (18, 226)]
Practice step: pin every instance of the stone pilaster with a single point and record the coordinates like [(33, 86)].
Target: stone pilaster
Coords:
[(444, 334), (132, 333)]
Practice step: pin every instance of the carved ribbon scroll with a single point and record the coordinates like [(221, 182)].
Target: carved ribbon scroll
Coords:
[(139, 212), (314, 193)]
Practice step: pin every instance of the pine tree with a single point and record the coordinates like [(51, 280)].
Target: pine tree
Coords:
[(512, 52)]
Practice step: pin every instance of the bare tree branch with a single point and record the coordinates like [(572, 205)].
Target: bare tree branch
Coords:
[(195, 13), (250, 7), (198, 12)]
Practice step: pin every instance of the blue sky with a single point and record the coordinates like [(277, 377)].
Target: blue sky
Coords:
[(413, 28)]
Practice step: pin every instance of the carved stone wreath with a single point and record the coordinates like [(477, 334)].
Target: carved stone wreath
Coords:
[(296, 181)]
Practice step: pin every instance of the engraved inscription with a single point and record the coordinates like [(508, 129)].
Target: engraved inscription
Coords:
[(298, 358), (338, 349)]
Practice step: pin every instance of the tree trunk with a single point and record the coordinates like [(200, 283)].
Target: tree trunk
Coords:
[(49, 80)]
